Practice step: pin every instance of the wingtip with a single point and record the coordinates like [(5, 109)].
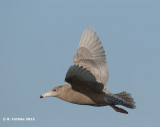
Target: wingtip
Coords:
[(90, 28)]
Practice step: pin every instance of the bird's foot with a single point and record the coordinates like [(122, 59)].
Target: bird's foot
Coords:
[(117, 109)]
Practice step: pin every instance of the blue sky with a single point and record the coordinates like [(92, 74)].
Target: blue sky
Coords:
[(38, 39)]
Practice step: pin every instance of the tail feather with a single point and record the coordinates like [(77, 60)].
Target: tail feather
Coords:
[(128, 101), (123, 98)]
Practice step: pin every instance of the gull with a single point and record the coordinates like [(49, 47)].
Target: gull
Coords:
[(87, 78)]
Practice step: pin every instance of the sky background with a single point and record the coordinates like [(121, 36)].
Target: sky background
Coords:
[(38, 39)]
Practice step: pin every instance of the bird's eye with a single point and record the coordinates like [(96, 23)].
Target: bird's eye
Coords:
[(54, 89)]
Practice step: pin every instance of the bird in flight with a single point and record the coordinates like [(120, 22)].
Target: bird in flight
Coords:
[(87, 78)]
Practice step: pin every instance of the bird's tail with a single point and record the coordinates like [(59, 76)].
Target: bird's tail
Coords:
[(122, 98), (127, 100)]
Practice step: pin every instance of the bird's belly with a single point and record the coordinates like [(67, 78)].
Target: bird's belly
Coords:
[(85, 99)]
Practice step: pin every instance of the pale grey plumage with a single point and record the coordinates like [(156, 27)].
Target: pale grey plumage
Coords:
[(87, 78), (91, 55)]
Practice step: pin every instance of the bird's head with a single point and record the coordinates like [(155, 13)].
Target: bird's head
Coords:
[(52, 93)]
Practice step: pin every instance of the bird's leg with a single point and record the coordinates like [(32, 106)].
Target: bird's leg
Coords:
[(117, 109)]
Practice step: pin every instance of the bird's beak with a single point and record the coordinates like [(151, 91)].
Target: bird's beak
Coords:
[(45, 95)]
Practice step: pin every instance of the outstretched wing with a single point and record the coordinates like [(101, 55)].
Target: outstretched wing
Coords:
[(91, 56)]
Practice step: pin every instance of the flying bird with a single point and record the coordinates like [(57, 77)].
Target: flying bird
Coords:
[(88, 76)]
